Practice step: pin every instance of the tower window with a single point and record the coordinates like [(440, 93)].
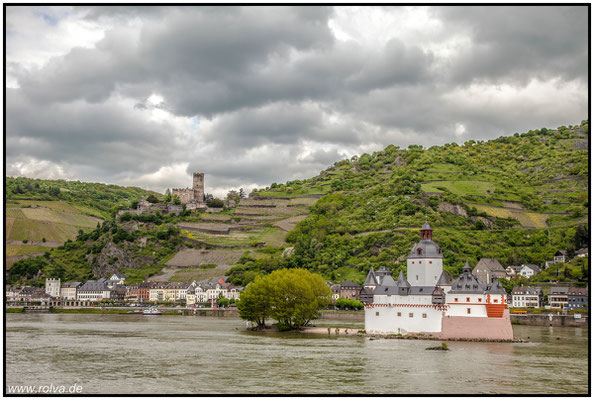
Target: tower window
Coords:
[(424, 315), (399, 314), (377, 313), (430, 262), (410, 315), (456, 299), (417, 277), (468, 311), (468, 299)]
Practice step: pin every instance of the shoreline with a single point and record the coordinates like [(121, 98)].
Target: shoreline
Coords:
[(374, 336), (565, 321)]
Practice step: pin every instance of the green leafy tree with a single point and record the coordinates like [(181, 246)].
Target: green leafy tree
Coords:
[(293, 297), (152, 199), (167, 198), (255, 302), (223, 302)]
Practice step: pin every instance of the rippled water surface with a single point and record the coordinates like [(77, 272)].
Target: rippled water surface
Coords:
[(201, 355)]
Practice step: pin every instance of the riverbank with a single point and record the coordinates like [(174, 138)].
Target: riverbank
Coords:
[(575, 320), (349, 319), (359, 332), (90, 310)]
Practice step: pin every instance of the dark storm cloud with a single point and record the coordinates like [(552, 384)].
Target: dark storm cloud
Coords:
[(108, 136), (515, 44), (398, 64), (200, 63), (278, 94), (263, 168)]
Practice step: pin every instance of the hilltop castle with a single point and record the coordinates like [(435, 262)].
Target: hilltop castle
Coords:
[(193, 197), (433, 304)]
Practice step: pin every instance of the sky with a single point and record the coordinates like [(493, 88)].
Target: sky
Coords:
[(146, 95)]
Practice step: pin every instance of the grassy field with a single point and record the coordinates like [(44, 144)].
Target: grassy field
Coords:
[(18, 250), (271, 236), (296, 193), (54, 221), (347, 273), (198, 274), (526, 218), (461, 188), (196, 257), (445, 168), (60, 206)]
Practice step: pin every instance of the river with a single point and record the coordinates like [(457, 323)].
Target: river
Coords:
[(208, 355)]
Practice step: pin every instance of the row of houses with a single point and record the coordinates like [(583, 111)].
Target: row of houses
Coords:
[(487, 268), (114, 289), (26, 294), (560, 297)]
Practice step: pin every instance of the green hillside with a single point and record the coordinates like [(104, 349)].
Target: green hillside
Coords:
[(42, 214), (95, 199), (518, 199)]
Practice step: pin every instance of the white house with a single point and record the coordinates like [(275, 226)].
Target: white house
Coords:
[(526, 296), (69, 289), (52, 287), (191, 296), (428, 303), (94, 290), (118, 279), (529, 270)]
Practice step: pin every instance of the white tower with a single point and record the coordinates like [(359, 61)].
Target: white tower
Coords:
[(425, 261), (52, 287)]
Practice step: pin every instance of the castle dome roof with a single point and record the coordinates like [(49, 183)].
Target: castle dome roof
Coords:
[(426, 248)]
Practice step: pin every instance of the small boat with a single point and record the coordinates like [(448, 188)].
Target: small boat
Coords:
[(151, 311)]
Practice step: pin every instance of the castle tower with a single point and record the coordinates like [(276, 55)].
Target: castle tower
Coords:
[(198, 186), (426, 231), (425, 261)]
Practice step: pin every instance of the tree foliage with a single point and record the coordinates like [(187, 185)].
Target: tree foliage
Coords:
[(292, 297)]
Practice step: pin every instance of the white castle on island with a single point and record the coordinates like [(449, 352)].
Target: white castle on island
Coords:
[(429, 302)]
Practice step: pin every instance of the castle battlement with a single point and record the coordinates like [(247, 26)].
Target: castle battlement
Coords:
[(192, 197)]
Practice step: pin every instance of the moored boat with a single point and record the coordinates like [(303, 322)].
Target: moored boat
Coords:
[(151, 311)]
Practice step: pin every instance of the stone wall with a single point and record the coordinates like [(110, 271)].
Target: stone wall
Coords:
[(185, 195), (471, 328), (193, 198), (549, 320)]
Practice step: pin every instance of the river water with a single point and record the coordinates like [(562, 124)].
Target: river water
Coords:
[(202, 355)]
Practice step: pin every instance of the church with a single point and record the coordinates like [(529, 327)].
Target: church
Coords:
[(429, 302)]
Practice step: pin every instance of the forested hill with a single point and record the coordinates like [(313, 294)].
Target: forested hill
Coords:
[(516, 198), (98, 199)]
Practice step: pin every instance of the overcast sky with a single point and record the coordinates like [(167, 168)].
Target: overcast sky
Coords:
[(144, 96)]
